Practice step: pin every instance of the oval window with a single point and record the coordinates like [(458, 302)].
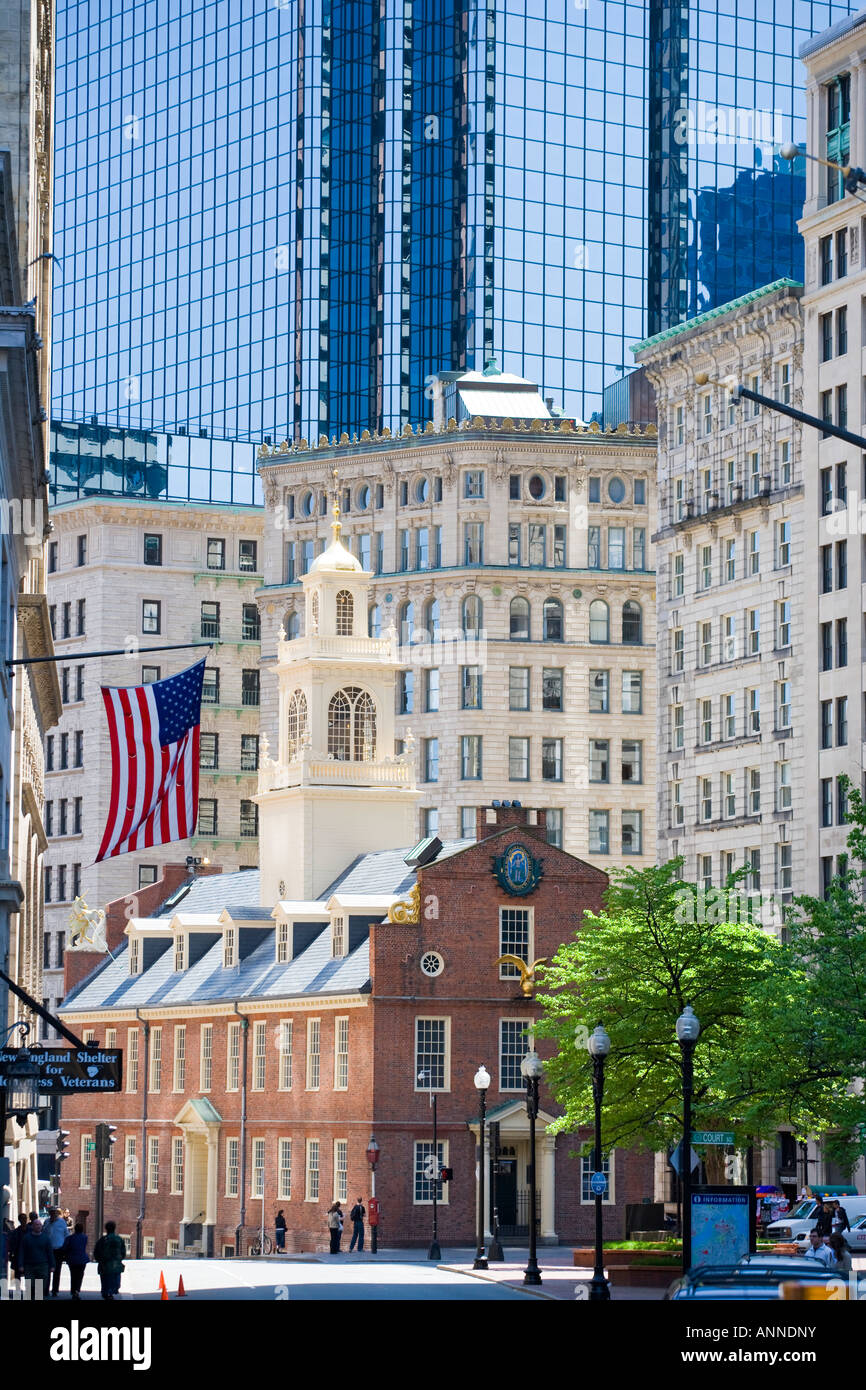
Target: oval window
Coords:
[(308, 503), (422, 490), (432, 963), (363, 498), (536, 486), (616, 490)]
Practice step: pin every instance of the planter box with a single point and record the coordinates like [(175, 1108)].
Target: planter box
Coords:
[(584, 1258), (647, 1276)]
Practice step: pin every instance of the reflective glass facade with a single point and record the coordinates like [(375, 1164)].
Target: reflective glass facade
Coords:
[(282, 219)]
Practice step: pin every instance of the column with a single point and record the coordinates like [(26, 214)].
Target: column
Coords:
[(188, 1161), (211, 1188), (548, 1187)]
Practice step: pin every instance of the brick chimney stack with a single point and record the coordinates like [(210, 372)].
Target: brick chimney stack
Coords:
[(489, 819)]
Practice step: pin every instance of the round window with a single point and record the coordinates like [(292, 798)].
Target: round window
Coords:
[(616, 490), (422, 490), (363, 498), (308, 504), (432, 963), (536, 486)]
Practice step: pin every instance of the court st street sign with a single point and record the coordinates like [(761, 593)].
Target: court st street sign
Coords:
[(724, 1137), (65, 1069)]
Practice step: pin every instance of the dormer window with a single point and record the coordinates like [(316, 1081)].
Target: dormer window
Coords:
[(282, 943), (134, 955), (338, 936), (229, 948), (345, 613), (180, 951)]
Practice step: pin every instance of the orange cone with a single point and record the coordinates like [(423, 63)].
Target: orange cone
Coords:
[(181, 1291), (164, 1294)]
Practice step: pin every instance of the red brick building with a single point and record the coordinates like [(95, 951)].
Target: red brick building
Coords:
[(313, 1022)]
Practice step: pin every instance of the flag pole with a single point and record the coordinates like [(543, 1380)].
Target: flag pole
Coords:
[(113, 651)]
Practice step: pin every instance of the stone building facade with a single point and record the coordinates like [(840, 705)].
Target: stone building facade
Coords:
[(732, 621), (129, 574), (834, 557), (510, 553)]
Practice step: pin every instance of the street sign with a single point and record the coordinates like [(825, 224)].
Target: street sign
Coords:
[(713, 1136), (65, 1069), (598, 1184), (89, 1145), (675, 1160)]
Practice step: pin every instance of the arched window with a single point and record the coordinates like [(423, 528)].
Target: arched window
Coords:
[(374, 621), (432, 619), (519, 620), (632, 622), (292, 624), (473, 614), (314, 610), (406, 621), (352, 726), (553, 628), (599, 621), (345, 613), (296, 723)]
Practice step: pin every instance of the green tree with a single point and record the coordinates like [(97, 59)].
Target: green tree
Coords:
[(657, 945)]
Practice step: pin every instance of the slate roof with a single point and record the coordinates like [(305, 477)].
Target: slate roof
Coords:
[(257, 976)]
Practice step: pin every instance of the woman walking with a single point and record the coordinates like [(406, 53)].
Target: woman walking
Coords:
[(280, 1228), (841, 1254), (335, 1226), (76, 1256), (37, 1258)]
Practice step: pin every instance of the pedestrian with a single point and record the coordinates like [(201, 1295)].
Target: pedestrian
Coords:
[(823, 1219), (818, 1250), (76, 1256), (841, 1253), (356, 1216), (15, 1245), (108, 1252), (37, 1258), (840, 1220), (280, 1227), (335, 1226), (59, 1233)]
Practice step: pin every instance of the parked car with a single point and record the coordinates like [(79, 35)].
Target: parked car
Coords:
[(856, 1237), (758, 1282), (799, 1222)]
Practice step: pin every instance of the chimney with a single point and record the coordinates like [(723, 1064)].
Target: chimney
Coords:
[(509, 814)]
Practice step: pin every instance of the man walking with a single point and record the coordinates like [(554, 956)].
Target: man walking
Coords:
[(108, 1252), (823, 1219), (818, 1250), (356, 1216), (59, 1233)]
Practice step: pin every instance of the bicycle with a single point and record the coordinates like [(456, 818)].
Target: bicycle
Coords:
[(262, 1245)]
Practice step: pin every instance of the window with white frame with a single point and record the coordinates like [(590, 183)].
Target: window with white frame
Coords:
[(341, 1054), (753, 784), (282, 942), (785, 463), (705, 871), (148, 1247), (180, 951), (783, 544), (753, 865), (729, 716), (229, 947), (233, 1057), (587, 1168), (783, 704), (153, 1165), (677, 649), (432, 1060), (260, 1029), (285, 1054), (312, 1171), (130, 1163), (753, 711), (338, 936), (729, 637), (705, 798), (753, 631), (257, 1182), (783, 623), (784, 867), (341, 1170), (206, 1057), (729, 560), (705, 643), (783, 786), (678, 726), (155, 1081), (284, 1170), (176, 1165), (135, 955), (729, 795), (513, 1047), (424, 1185), (173, 1246), (179, 1077), (132, 1059), (233, 1172), (314, 1053), (515, 930), (705, 563), (705, 721), (677, 808), (86, 1161)]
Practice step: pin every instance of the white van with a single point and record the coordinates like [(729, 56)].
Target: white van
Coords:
[(796, 1224)]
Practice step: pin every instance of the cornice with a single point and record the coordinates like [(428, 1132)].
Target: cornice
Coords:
[(36, 630)]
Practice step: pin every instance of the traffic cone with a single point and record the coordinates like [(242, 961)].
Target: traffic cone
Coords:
[(164, 1294), (181, 1291)]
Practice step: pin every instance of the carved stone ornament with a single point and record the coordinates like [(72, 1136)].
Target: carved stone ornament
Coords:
[(408, 910)]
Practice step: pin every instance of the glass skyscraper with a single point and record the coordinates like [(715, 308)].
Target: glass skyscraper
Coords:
[(280, 218)]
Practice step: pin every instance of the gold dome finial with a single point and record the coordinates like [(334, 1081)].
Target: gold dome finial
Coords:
[(336, 525)]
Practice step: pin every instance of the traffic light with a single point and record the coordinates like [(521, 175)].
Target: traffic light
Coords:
[(105, 1137), (62, 1145), (446, 1174)]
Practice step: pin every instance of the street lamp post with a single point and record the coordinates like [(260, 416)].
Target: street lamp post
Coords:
[(531, 1069), (688, 1032), (482, 1082), (599, 1047), (373, 1159)]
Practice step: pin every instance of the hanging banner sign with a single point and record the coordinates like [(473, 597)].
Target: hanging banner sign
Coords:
[(63, 1069)]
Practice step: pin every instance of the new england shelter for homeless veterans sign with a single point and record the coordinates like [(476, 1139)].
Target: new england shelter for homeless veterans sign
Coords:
[(66, 1069)]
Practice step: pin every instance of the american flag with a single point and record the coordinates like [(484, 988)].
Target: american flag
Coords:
[(154, 733)]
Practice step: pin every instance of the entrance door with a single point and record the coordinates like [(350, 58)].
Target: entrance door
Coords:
[(506, 1195)]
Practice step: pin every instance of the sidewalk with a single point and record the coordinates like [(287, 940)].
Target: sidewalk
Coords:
[(559, 1280)]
